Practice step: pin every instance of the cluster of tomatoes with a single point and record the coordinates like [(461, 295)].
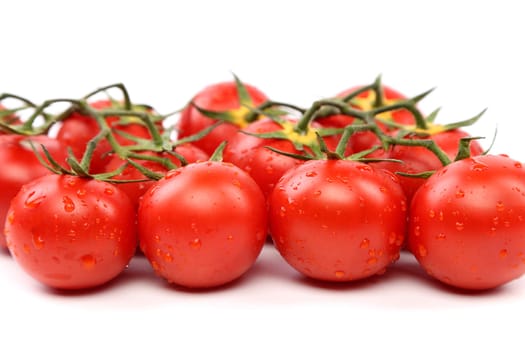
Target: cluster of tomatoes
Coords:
[(341, 188)]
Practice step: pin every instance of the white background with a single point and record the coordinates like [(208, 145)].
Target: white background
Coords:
[(295, 51)]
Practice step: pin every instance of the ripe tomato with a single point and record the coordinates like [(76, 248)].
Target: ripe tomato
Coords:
[(467, 226), (78, 129), (203, 225), (418, 159), (338, 220), (220, 97), (20, 166), (266, 166), (135, 190), (71, 233)]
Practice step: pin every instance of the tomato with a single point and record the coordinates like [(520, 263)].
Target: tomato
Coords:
[(20, 165), (220, 97), (467, 226), (338, 220), (266, 166), (365, 101), (418, 159), (203, 225), (71, 233), (78, 129), (135, 190)]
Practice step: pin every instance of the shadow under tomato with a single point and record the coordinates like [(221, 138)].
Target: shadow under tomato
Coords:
[(408, 267)]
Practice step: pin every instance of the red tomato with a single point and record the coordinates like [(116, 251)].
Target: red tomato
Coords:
[(338, 220), (71, 233), (221, 97), (416, 159), (203, 225), (78, 129), (135, 190), (467, 226), (20, 166), (266, 166)]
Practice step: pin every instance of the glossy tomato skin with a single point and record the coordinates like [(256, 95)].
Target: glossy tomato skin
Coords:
[(71, 233), (417, 159), (338, 220), (466, 225), (220, 97), (203, 225), (265, 166), (20, 166), (135, 190)]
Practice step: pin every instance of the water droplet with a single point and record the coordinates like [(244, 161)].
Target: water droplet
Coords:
[(372, 260), (229, 238), (311, 174), (167, 257), (518, 165), (38, 240), (269, 169), (503, 253), (478, 166), (88, 261), (172, 173), (156, 266), (156, 238), (26, 249), (33, 200), (11, 217), (282, 212), (422, 250), (71, 182), (109, 191), (431, 214), (196, 243), (441, 236), (364, 167), (460, 226), (365, 243), (500, 206), (236, 183), (460, 194), (81, 192), (392, 237), (317, 193), (339, 274), (116, 251), (69, 206), (417, 231)]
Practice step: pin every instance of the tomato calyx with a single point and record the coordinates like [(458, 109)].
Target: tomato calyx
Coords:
[(240, 116)]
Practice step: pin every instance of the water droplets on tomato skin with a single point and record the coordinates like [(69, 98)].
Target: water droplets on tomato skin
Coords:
[(422, 250), (109, 191), (88, 261), (503, 253), (339, 274), (37, 240), (69, 205), (195, 243), (33, 200)]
